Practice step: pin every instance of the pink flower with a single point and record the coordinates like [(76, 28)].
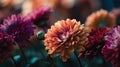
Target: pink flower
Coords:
[(39, 14), (111, 50)]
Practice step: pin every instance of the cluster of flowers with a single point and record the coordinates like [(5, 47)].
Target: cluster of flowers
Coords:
[(65, 36), (17, 30), (91, 40)]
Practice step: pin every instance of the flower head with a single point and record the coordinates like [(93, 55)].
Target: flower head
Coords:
[(20, 30), (6, 46), (111, 50), (64, 37), (100, 18), (38, 15), (95, 44)]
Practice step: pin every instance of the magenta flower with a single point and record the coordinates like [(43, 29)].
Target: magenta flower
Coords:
[(111, 50), (6, 46), (20, 30), (95, 44), (38, 15)]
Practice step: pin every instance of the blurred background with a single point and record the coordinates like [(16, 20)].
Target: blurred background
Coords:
[(61, 9)]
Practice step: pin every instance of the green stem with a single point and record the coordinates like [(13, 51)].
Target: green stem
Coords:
[(14, 62), (43, 55), (80, 64), (104, 62), (23, 54), (52, 63), (31, 44)]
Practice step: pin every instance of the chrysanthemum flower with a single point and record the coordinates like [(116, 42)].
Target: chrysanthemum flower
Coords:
[(64, 37), (95, 44), (100, 18), (111, 50), (6, 46), (20, 30), (39, 14)]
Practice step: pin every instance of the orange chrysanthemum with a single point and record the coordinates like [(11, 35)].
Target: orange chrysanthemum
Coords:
[(100, 18), (64, 37)]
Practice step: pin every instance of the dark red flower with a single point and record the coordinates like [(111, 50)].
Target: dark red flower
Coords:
[(6, 46), (95, 44)]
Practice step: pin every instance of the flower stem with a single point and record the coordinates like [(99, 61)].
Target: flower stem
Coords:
[(104, 62), (78, 59), (23, 54), (43, 55), (31, 44), (14, 62), (52, 63)]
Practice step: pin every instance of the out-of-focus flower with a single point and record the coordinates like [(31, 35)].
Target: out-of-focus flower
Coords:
[(6, 46), (67, 4), (20, 30), (100, 18), (37, 3), (64, 37), (38, 15), (95, 44), (36, 30), (116, 12), (5, 3), (29, 5), (111, 50)]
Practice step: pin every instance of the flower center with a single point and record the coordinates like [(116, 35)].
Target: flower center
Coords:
[(102, 24)]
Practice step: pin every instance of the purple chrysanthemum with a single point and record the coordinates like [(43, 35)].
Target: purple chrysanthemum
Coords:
[(6, 46), (111, 50), (95, 44), (20, 30), (38, 15)]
